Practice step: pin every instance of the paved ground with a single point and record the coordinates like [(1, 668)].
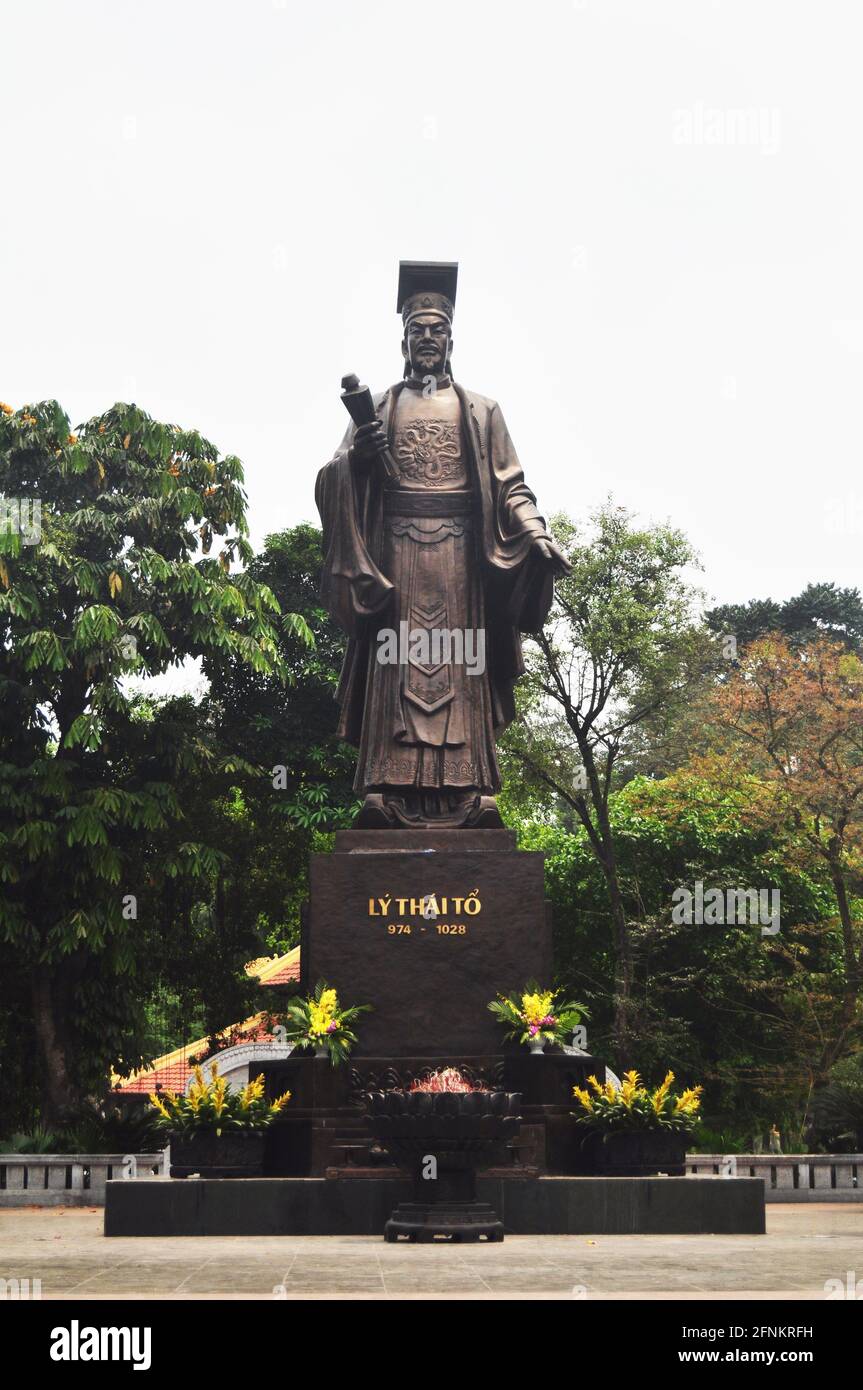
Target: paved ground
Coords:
[(65, 1248)]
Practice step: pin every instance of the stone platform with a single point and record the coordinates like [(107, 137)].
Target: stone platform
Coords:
[(538, 1206)]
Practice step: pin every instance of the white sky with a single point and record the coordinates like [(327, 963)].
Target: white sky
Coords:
[(204, 204)]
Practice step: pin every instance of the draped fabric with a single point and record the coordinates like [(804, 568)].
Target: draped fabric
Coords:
[(469, 570)]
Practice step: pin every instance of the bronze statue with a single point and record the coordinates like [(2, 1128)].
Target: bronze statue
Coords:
[(435, 560)]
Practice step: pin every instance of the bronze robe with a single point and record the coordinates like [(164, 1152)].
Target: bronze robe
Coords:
[(506, 588)]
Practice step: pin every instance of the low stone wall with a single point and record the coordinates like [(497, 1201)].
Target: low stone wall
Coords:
[(71, 1180), (790, 1177), (361, 1207)]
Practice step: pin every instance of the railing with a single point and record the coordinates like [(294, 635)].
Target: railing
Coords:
[(78, 1180), (790, 1177), (71, 1180)]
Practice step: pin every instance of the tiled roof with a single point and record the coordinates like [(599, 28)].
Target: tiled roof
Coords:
[(171, 1072), (281, 970)]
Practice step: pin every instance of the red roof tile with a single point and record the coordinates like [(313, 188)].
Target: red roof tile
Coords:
[(171, 1072)]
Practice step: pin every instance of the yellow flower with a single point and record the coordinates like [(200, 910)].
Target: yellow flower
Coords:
[(592, 1081), (160, 1105), (535, 1007), (7, 409), (318, 1020), (254, 1090), (629, 1088), (71, 439), (280, 1102), (657, 1100), (329, 1001), (689, 1101), (218, 1088), (583, 1097)]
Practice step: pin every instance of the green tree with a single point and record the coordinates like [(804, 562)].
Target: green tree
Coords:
[(671, 737), (622, 641), (121, 580), (798, 713), (301, 786), (755, 1017), (290, 727), (820, 610), (263, 819)]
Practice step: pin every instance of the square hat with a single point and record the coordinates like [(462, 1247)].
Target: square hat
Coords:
[(427, 287)]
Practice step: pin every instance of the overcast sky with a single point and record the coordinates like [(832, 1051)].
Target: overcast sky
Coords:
[(656, 207)]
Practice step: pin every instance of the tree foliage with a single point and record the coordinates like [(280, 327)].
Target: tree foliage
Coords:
[(122, 580), (622, 641)]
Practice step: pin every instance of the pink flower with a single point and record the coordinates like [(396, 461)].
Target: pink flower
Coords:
[(332, 1027)]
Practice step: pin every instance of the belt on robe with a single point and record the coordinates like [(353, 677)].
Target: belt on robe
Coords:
[(407, 502)]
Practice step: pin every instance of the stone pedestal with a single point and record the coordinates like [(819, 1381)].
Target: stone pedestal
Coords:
[(427, 927)]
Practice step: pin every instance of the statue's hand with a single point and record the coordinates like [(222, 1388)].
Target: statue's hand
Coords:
[(552, 555), (369, 443)]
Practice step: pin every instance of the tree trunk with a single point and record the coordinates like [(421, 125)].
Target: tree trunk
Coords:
[(852, 965), (620, 933), (602, 843), (622, 967), (58, 1094)]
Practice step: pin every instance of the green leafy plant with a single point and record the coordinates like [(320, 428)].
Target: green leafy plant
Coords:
[(839, 1107), (318, 1021), (38, 1141), (719, 1141), (533, 1015), (609, 1109), (111, 1129), (214, 1106)]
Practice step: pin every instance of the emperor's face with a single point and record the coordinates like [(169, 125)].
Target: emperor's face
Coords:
[(427, 344)]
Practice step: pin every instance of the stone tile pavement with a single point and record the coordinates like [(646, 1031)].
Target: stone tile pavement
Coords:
[(64, 1247)]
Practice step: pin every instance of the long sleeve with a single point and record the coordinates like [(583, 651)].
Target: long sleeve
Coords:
[(352, 586), (518, 514)]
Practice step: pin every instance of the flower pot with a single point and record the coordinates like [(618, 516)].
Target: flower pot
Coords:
[(460, 1131), (636, 1153), (234, 1154), (536, 1048)]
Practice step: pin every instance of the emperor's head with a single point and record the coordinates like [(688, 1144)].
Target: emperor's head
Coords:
[(427, 344), (426, 301)]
